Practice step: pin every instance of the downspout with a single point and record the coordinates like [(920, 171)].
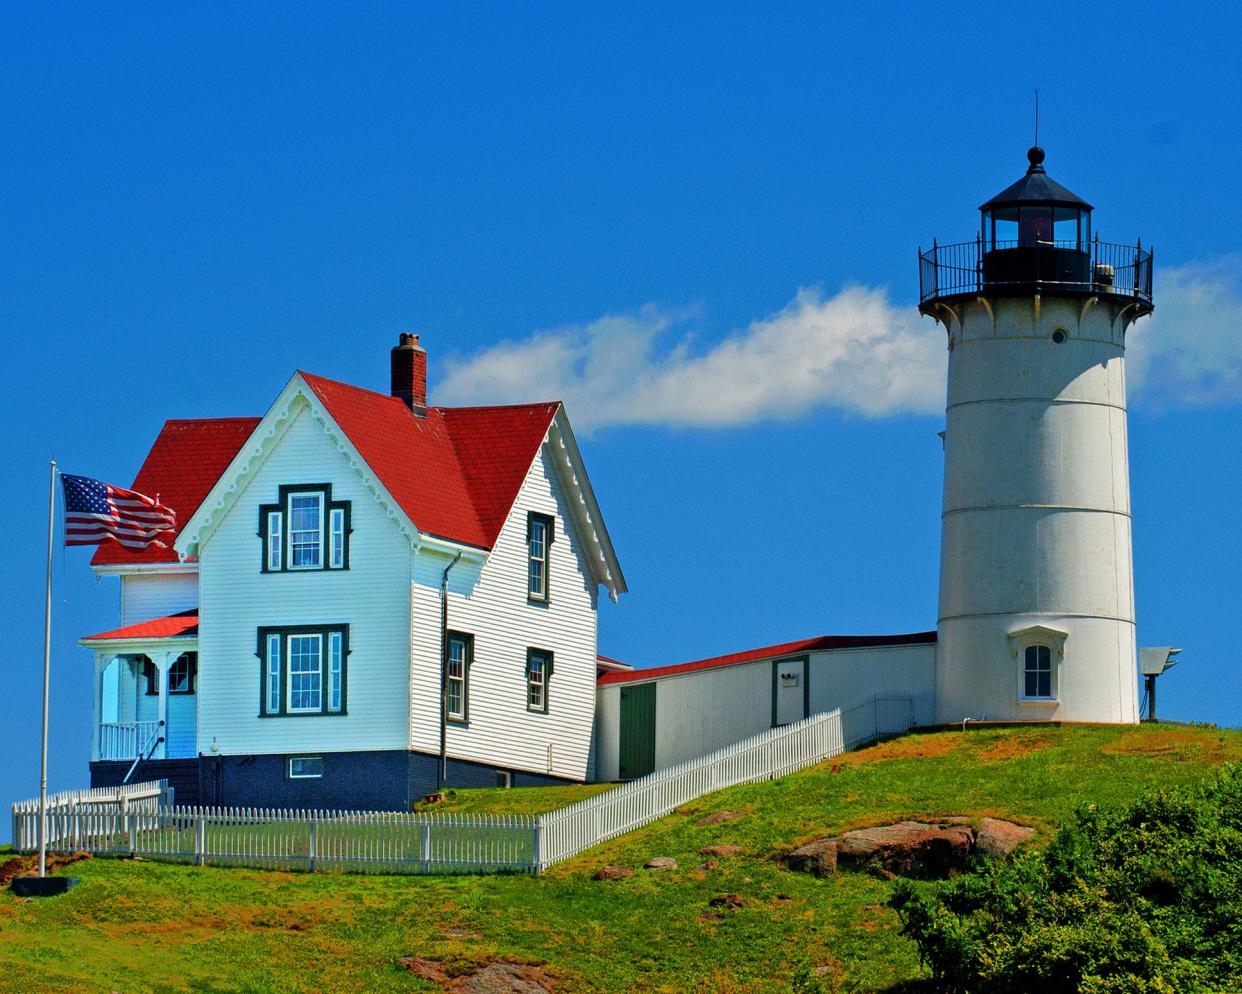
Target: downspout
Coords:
[(443, 770)]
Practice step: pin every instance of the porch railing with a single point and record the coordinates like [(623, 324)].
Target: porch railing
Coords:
[(123, 739)]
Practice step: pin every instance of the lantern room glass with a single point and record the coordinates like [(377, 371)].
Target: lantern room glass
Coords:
[(1036, 225)]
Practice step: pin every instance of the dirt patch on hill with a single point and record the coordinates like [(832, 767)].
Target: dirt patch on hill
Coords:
[(906, 747), (1164, 742), (1014, 747), (26, 866)]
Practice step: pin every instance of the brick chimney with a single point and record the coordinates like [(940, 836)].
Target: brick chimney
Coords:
[(409, 374)]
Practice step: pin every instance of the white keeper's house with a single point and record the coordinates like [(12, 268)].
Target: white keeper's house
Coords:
[(368, 597)]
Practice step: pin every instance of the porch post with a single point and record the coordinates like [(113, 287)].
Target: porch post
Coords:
[(102, 660), (162, 661)]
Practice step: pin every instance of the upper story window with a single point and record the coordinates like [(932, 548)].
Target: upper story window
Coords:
[(303, 670), (457, 676), (1037, 671), (538, 673), (539, 534), (305, 530)]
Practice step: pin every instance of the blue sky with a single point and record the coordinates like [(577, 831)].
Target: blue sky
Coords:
[(663, 213)]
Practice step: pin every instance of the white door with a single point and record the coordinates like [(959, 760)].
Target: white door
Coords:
[(789, 691)]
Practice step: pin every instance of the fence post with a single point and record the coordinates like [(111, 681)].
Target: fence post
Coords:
[(424, 845), (312, 842), (200, 839), (536, 845)]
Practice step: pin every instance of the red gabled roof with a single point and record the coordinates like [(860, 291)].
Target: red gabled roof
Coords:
[(772, 651), (456, 471), (181, 625), (183, 465)]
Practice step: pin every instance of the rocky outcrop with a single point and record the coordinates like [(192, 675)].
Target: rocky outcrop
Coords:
[(720, 850), (818, 857), (660, 863), (612, 873), (997, 839), (910, 848)]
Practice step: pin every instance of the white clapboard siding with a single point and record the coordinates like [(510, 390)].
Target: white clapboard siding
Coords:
[(701, 710), (156, 595), (392, 842), (491, 604), (237, 599)]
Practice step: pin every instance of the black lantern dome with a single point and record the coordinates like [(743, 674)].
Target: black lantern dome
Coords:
[(1035, 238)]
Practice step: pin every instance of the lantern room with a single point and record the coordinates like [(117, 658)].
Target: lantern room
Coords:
[(1035, 237), (1034, 212)]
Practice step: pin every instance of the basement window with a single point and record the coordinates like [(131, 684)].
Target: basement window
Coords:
[(304, 767)]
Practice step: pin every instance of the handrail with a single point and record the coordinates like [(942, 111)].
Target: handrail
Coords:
[(153, 745), (963, 268)]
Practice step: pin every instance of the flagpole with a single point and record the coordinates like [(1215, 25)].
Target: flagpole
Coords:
[(47, 668)]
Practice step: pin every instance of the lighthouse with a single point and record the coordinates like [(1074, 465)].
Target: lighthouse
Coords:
[(1036, 613)]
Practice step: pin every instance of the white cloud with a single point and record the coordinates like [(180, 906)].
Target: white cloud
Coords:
[(1189, 352), (854, 351)]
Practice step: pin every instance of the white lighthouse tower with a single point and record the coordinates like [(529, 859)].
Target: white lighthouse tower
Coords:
[(1036, 617)]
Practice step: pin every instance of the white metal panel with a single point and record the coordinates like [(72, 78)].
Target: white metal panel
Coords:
[(841, 677), (704, 710), (156, 595), (492, 605), (608, 733), (371, 597)]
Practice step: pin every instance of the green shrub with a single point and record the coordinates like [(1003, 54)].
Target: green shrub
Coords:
[(1145, 899)]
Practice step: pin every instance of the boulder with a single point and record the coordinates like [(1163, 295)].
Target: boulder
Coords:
[(720, 850), (709, 864), (612, 873), (818, 857), (909, 849), (996, 839), (660, 863), (727, 901)]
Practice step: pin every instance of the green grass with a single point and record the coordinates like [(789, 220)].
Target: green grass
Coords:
[(143, 927), (519, 801)]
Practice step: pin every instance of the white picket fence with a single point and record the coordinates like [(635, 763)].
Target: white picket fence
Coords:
[(766, 756), (140, 819)]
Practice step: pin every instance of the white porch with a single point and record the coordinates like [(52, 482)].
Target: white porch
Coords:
[(144, 700)]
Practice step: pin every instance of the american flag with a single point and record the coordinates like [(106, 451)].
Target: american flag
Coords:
[(96, 512)]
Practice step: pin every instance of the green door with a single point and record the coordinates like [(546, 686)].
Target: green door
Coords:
[(638, 711)]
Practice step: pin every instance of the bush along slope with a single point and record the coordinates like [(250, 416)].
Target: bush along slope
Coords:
[(1144, 898)]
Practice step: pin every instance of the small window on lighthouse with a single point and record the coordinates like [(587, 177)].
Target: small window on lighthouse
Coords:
[(1038, 672)]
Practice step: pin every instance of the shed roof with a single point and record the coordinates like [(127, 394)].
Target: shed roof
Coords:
[(818, 644), (182, 625)]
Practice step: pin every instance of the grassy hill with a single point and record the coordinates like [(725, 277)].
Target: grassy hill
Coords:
[(143, 927)]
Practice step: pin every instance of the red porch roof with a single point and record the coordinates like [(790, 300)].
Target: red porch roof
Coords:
[(181, 625), (771, 651)]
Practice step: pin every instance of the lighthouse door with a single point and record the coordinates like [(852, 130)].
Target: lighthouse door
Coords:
[(790, 692)]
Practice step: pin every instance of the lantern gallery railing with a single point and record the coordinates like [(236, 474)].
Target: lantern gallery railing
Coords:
[(1094, 267)]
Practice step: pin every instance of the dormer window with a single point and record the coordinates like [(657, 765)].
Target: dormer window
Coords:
[(305, 530)]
